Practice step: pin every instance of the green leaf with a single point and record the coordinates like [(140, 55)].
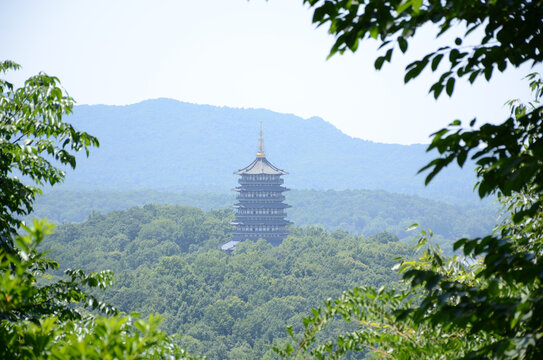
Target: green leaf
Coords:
[(435, 61), (402, 43), (450, 86), (374, 32), (379, 62)]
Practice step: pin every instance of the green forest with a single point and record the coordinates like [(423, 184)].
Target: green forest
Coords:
[(166, 261)]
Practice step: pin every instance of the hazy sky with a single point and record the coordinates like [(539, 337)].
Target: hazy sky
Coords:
[(236, 53)]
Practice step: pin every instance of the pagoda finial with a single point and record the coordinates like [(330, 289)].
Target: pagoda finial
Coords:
[(260, 153)]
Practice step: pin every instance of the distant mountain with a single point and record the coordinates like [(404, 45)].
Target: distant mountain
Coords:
[(165, 144)]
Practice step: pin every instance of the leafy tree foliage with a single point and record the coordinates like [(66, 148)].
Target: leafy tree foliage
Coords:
[(21, 299), (33, 137), (512, 33), (45, 319), (117, 337), (508, 302), (487, 305)]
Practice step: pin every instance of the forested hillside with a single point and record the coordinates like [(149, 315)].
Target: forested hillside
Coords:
[(170, 145), (226, 307), (363, 212)]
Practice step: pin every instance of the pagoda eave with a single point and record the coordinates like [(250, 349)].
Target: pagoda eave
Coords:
[(274, 205)]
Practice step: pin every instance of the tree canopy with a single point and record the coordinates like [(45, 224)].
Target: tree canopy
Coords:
[(486, 304), (53, 319), (167, 261), (33, 138), (498, 33)]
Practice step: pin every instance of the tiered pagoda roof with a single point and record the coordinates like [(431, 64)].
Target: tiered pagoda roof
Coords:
[(260, 208), (260, 166)]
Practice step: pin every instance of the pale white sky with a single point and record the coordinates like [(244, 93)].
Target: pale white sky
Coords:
[(236, 53)]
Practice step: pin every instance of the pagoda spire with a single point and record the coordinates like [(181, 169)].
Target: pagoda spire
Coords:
[(260, 153)]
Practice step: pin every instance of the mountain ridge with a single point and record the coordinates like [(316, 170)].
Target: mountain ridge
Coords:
[(166, 144)]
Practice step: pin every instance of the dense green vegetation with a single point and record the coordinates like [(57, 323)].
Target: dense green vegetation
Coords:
[(363, 212), (166, 260), (201, 146), (51, 319), (488, 304)]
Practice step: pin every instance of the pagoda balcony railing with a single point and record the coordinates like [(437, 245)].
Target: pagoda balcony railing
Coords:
[(260, 205), (260, 221), (253, 214), (255, 188), (261, 182), (262, 217), (260, 199)]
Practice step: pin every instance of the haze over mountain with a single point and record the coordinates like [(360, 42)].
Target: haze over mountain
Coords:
[(165, 144)]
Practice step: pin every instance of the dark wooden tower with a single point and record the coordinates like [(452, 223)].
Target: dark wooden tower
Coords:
[(260, 211)]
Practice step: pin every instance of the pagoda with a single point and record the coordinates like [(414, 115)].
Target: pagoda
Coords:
[(260, 211)]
